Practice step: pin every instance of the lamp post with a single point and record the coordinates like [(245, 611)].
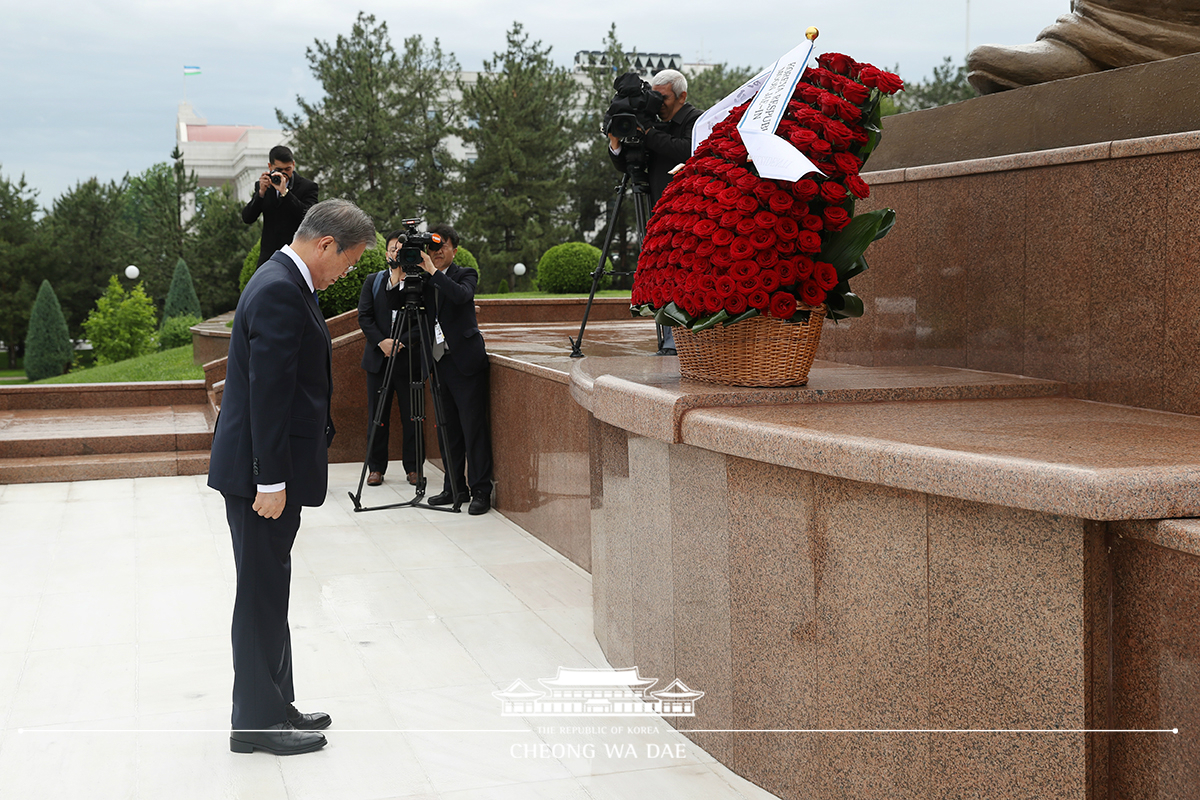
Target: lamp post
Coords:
[(518, 271), (132, 272)]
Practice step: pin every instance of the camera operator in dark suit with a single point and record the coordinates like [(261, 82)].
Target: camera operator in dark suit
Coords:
[(463, 369), (282, 198), (376, 311), (270, 457), (667, 143)]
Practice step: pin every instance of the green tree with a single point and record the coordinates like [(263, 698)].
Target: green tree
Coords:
[(22, 256), (158, 235), (377, 137), (216, 251), (181, 299), (121, 325), (948, 85), (85, 232), (520, 121), (708, 87), (48, 348)]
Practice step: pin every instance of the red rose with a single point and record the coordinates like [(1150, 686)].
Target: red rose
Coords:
[(786, 228), (767, 257), (848, 111), (788, 273), (656, 297), (811, 294), (780, 202), (889, 83), (802, 138), (765, 220), (805, 189), (832, 192), (705, 249), (745, 226), (689, 283), (692, 306), (738, 172), (744, 268), (748, 284), (855, 92), (706, 283), (785, 247), (759, 299), (820, 148), (714, 210), (726, 286), (769, 280), (674, 257), (836, 62), (808, 93), (858, 187), (846, 163), (804, 267), (836, 218), (764, 189), (746, 182), (677, 295), (783, 305), (720, 257), (762, 239), (808, 242), (741, 248), (825, 275), (688, 260), (722, 237), (735, 303), (729, 196), (713, 302), (812, 223), (746, 205), (730, 218)]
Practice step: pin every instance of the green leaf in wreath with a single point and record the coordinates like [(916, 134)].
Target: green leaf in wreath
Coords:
[(847, 245), (849, 305), (857, 268), (704, 323), (672, 315), (885, 227), (747, 314)]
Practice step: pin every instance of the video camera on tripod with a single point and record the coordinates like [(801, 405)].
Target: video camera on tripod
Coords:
[(633, 109), (413, 242)]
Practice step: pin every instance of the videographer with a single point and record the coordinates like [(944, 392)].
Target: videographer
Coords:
[(463, 370), (668, 142), (282, 198), (377, 308)]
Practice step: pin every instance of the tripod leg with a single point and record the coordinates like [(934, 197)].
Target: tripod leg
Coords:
[(439, 414), (384, 399), (576, 344)]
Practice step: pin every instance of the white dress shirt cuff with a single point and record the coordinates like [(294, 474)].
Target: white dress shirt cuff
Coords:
[(272, 487)]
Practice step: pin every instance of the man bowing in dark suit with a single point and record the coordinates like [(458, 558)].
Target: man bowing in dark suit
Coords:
[(270, 457), (463, 372), (282, 198)]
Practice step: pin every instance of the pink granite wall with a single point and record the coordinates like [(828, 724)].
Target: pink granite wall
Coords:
[(1077, 265)]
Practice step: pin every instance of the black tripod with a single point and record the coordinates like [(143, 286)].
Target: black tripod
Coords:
[(413, 310), (636, 173)]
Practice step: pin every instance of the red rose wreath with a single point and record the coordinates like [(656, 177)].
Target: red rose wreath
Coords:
[(724, 244)]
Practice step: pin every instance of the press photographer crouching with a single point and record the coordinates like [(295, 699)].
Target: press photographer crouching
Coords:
[(378, 305)]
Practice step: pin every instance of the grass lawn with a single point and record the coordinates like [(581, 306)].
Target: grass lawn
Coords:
[(511, 295), (167, 365)]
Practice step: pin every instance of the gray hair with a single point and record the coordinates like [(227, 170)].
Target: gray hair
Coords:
[(670, 76), (345, 222)]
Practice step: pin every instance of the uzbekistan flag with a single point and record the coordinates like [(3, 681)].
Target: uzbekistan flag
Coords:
[(191, 70)]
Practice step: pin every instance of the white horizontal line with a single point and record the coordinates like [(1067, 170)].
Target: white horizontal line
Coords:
[(928, 730), (269, 730)]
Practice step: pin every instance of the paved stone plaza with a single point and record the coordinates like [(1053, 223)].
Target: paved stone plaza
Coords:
[(115, 670)]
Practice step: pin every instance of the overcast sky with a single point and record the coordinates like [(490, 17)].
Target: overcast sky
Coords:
[(92, 89)]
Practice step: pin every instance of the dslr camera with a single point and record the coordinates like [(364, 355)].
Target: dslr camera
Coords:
[(634, 108), (277, 178), (412, 243)]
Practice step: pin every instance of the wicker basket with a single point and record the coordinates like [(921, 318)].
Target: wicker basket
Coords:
[(760, 351)]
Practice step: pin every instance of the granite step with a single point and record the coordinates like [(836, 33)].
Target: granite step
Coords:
[(54, 469), (32, 433)]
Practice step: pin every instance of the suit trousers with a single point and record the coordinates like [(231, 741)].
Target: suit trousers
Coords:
[(465, 406), (262, 642), (402, 377)]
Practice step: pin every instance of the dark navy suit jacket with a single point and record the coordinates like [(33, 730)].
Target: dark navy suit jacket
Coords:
[(452, 291), (274, 423)]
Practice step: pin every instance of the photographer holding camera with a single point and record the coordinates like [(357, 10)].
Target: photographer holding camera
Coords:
[(668, 142), (282, 198)]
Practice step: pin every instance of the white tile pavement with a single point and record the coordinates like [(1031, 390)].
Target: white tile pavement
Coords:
[(115, 669)]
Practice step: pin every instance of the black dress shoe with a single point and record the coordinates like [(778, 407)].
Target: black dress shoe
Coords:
[(479, 505), (307, 722), (666, 351), (445, 499), (281, 739)]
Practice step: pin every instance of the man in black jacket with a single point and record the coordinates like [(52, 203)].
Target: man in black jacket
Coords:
[(463, 371), (270, 457), (282, 198), (375, 314), (667, 143)]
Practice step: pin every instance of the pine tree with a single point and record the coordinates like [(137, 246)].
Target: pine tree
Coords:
[(158, 235), (519, 117), (217, 250), (377, 137), (708, 87), (48, 348), (20, 257), (181, 299)]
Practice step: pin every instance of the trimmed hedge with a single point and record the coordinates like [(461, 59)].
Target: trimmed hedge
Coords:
[(177, 332), (568, 268)]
